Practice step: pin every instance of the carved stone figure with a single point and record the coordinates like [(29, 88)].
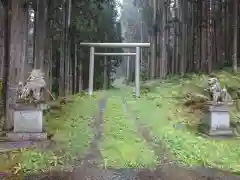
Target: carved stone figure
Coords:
[(19, 89), (225, 96), (215, 89), (33, 88), (216, 92)]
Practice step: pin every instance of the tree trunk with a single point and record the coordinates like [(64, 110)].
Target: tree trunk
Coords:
[(2, 27), (75, 67), (209, 39), (163, 64), (235, 39), (14, 55), (7, 18), (41, 21), (153, 40), (50, 65), (183, 38), (61, 79), (105, 75)]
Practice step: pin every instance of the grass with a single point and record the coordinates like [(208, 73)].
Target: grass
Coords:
[(161, 110), (72, 134), (122, 146)]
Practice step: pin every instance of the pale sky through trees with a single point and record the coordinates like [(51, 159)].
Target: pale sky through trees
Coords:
[(119, 8)]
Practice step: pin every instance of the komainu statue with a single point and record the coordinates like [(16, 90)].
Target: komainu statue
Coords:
[(217, 93), (33, 88)]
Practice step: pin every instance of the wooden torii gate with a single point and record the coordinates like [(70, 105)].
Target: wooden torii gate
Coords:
[(115, 45)]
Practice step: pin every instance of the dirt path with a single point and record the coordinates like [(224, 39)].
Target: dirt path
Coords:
[(94, 157)]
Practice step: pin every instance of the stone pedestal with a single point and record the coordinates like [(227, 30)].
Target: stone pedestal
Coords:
[(217, 120), (13, 136), (28, 118)]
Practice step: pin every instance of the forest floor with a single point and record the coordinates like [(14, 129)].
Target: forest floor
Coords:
[(114, 135)]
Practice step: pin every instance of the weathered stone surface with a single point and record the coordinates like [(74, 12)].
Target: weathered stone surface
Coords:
[(12, 136), (217, 120), (221, 132), (21, 105), (28, 121), (217, 108)]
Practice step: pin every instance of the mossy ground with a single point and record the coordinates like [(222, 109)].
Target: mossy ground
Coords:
[(162, 109), (71, 126)]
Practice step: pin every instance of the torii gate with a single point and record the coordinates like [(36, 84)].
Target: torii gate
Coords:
[(115, 45)]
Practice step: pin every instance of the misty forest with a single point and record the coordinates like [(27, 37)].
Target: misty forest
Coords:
[(181, 55)]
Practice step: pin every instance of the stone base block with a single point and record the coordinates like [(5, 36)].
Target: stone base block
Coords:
[(220, 132), (217, 120), (13, 136), (28, 121)]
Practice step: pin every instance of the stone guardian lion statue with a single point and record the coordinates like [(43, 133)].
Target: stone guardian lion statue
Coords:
[(217, 93), (34, 86)]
